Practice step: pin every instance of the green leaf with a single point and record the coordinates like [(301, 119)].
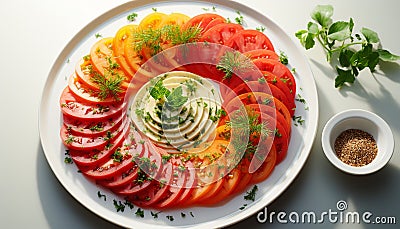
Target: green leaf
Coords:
[(370, 36), (176, 100), (339, 31), (312, 28), (343, 77), (366, 57), (158, 91), (385, 55), (309, 42), (302, 35), (322, 14), (351, 25), (299, 34), (344, 57)]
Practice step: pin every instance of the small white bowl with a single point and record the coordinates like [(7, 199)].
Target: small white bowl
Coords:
[(362, 120)]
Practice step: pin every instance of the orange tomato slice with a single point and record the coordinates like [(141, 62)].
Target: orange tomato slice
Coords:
[(120, 40)]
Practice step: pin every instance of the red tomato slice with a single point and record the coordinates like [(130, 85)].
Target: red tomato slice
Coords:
[(77, 142), (85, 111), (221, 33), (190, 184), (273, 79), (261, 53), (271, 111), (149, 164), (176, 187), (86, 94), (257, 86), (247, 40), (92, 128), (156, 191), (122, 179), (96, 157), (256, 98), (278, 69), (120, 161), (131, 173), (214, 22), (266, 168), (281, 142), (202, 21), (246, 176)]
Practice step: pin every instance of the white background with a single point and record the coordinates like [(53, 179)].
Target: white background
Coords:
[(33, 33)]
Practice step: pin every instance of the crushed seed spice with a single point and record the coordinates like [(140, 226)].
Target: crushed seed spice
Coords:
[(356, 147)]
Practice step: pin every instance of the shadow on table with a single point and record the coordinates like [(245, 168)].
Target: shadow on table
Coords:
[(61, 210)]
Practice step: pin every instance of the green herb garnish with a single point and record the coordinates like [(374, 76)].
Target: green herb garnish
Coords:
[(251, 195), (234, 62), (337, 38), (109, 85), (283, 58), (100, 195), (119, 206), (140, 213), (132, 17), (68, 160), (239, 18), (154, 214)]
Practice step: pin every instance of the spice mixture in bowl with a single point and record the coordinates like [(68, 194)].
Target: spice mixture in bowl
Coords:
[(357, 141)]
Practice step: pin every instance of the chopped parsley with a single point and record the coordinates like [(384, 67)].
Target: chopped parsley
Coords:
[(132, 17), (283, 58), (70, 139), (251, 195), (119, 206), (68, 160), (140, 213), (154, 214), (260, 28), (100, 195), (298, 120), (98, 35), (170, 217), (239, 18)]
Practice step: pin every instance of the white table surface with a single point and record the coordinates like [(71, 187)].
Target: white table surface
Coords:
[(33, 33)]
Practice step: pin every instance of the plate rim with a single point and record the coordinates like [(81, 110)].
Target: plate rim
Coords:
[(124, 7)]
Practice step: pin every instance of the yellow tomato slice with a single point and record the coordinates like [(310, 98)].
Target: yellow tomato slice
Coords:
[(175, 19), (152, 21)]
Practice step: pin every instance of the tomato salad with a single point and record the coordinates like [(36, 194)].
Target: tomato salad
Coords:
[(110, 149)]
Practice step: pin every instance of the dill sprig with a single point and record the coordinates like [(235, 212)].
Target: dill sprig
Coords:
[(109, 85), (234, 62), (154, 39), (247, 122), (179, 36)]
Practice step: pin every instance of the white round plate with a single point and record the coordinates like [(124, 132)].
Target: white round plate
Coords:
[(85, 191)]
